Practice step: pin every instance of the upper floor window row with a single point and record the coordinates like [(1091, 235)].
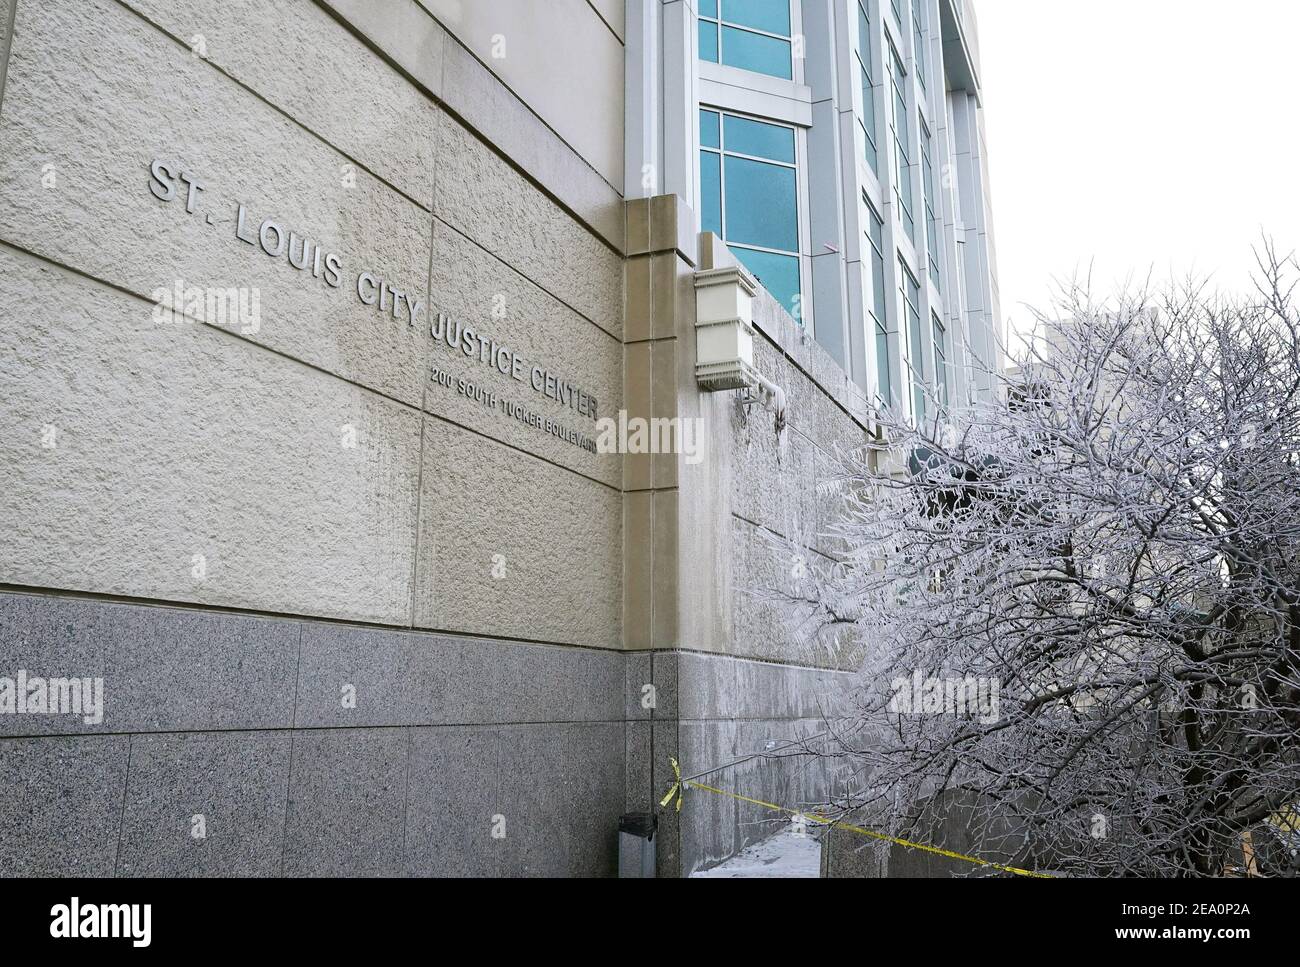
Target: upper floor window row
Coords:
[(918, 44), (754, 35), (748, 198), (868, 118)]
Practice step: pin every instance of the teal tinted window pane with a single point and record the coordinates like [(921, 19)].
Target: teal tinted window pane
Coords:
[(918, 361), (708, 41), (911, 292), (762, 140), (761, 204), (779, 274), (940, 360), (711, 193), (886, 389), (755, 52), (868, 105), (869, 121), (897, 15), (899, 70), (864, 38), (878, 284), (770, 15), (873, 156), (708, 8), (877, 229), (919, 51), (709, 129)]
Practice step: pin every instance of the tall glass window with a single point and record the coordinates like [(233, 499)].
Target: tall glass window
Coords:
[(868, 118), (910, 291), (876, 236), (918, 43), (898, 128), (753, 35), (927, 185), (748, 198), (940, 337)]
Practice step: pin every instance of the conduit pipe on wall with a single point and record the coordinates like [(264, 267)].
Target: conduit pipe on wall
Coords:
[(772, 397)]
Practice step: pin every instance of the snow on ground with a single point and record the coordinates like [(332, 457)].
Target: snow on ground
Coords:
[(787, 854)]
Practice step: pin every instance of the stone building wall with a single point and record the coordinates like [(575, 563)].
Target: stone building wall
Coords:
[(360, 620)]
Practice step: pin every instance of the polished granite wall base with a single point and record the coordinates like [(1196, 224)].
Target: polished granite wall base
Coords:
[(247, 728), (309, 748), (242, 720), (710, 711)]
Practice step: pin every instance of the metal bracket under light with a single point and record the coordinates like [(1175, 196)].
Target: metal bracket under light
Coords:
[(768, 395)]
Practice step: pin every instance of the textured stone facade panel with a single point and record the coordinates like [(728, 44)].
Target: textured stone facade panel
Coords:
[(95, 212), (550, 773), (453, 801), (581, 96), (472, 92), (554, 538), (61, 804), (353, 677), (309, 66), (186, 464), (772, 480), (486, 199), (347, 797), (169, 669), (206, 804), (482, 293)]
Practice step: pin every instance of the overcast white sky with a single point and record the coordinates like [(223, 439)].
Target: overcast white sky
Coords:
[(1139, 135)]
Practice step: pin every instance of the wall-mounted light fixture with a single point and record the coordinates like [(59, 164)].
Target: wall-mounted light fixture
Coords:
[(724, 328), (724, 337)]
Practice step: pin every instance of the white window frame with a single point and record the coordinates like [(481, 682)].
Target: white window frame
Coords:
[(801, 197), (796, 48), (772, 100)]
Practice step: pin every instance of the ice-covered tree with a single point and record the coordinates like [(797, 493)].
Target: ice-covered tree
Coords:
[(1081, 600)]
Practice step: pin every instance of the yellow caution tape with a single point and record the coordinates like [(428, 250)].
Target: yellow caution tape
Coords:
[(676, 790), (679, 786)]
